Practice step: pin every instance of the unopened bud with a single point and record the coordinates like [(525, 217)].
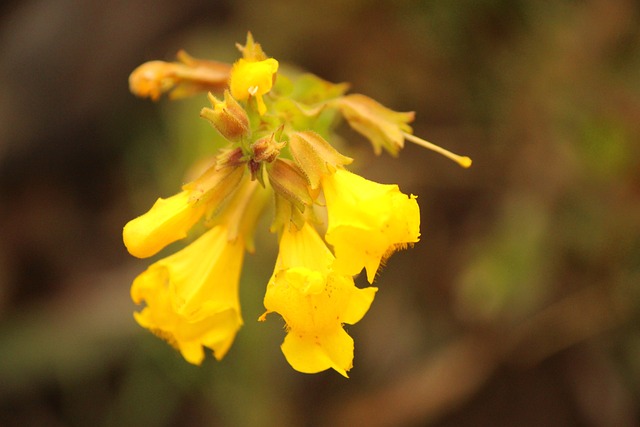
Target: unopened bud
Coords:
[(228, 117), (266, 149)]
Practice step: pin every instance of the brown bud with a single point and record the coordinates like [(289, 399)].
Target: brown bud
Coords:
[(228, 117), (266, 149)]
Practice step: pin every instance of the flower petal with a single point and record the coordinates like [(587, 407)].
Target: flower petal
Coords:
[(312, 354), (358, 305), (314, 301), (191, 296), (367, 221), (253, 79), (168, 220)]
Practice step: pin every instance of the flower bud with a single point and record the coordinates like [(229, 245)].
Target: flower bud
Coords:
[(228, 117), (266, 149)]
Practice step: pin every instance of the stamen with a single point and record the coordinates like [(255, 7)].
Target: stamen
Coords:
[(253, 90), (463, 161)]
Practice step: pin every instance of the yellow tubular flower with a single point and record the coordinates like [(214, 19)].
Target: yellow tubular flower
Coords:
[(277, 151), (367, 221), (253, 79), (315, 302), (185, 78), (191, 296), (168, 220), (152, 79)]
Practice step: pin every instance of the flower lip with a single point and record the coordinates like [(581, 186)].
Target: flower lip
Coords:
[(315, 301), (191, 297), (367, 221)]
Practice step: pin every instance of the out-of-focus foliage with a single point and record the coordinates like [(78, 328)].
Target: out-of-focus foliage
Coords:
[(519, 306)]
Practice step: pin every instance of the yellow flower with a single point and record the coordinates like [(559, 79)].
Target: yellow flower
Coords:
[(315, 302), (191, 296), (253, 79), (367, 221), (168, 220), (181, 79), (190, 299)]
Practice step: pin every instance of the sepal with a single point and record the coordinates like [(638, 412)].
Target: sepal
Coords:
[(383, 127), (251, 51), (315, 156), (214, 186), (289, 182)]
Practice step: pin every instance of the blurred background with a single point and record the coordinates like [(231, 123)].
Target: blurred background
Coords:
[(519, 307)]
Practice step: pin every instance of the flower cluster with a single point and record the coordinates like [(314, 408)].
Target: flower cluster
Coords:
[(331, 223)]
